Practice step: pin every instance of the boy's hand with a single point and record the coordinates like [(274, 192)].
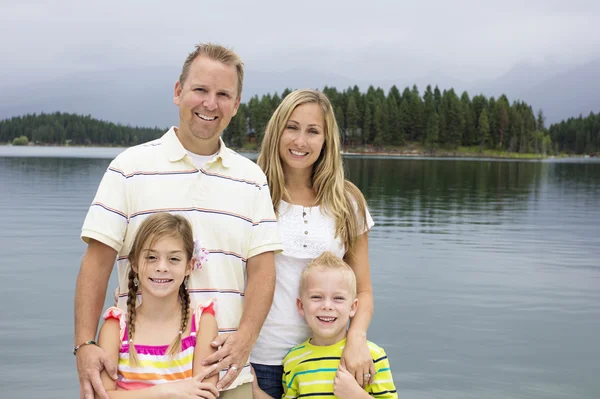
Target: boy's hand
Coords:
[(345, 386)]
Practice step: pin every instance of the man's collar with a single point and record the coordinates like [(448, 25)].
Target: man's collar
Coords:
[(176, 151)]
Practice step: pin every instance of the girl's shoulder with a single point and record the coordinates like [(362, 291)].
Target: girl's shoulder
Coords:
[(117, 314), (207, 307)]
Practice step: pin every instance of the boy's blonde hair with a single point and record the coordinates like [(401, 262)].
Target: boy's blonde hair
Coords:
[(328, 261)]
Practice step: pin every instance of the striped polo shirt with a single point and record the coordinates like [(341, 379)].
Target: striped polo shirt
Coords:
[(226, 200), (309, 371)]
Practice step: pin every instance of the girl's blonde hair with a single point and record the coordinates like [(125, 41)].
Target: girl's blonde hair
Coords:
[(154, 228), (338, 197)]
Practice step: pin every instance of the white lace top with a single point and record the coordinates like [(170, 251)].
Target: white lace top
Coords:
[(306, 233)]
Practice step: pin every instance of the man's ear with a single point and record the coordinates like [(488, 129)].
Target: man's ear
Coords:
[(354, 307), (300, 306), (237, 105), (177, 93)]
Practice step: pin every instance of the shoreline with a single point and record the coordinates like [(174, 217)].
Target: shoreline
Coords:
[(398, 152)]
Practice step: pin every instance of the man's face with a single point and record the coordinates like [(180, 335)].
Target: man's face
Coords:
[(207, 101)]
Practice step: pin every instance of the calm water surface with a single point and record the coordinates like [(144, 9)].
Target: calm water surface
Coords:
[(486, 273)]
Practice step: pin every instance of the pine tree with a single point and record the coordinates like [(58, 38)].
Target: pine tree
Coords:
[(484, 129), (432, 134)]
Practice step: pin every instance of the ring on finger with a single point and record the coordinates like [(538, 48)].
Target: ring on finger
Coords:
[(367, 375), (233, 367)]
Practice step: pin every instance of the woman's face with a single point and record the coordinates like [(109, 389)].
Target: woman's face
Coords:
[(303, 138)]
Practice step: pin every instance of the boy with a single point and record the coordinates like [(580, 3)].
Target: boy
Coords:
[(312, 369)]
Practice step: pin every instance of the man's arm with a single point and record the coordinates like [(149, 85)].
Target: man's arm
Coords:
[(236, 347), (258, 296), (90, 293)]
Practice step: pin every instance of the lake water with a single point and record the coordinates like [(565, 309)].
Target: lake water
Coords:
[(486, 273)]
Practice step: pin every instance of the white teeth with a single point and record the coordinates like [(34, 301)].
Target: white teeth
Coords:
[(298, 153), (326, 318), (206, 118), (160, 280)]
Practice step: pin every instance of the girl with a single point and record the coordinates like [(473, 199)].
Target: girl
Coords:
[(318, 210), (159, 345)]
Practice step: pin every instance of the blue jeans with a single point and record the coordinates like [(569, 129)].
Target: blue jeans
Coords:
[(269, 379)]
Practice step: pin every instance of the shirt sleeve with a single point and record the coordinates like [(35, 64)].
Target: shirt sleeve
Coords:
[(107, 217), (265, 234), (383, 383), (290, 384), (370, 222)]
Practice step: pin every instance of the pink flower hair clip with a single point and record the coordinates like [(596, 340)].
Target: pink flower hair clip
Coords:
[(200, 255)]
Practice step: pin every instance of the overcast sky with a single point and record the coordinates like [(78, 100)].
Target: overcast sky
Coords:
[(467, 40)]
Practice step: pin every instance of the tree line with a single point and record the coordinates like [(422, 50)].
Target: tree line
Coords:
[(435, 119)]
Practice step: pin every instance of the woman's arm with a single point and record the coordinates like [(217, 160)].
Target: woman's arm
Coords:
[(356, 356), (207, 332)]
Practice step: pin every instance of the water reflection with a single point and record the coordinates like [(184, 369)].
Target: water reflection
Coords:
[(485, 274)]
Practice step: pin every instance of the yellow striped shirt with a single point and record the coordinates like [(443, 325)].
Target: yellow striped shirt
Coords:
[(309, 370)]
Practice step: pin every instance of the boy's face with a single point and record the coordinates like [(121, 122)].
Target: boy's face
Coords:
[(327, 305)]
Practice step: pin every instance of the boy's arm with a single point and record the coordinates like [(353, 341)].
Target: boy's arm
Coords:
[(207, 332)]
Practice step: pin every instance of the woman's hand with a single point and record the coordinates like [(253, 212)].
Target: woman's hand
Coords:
[(357, 360)]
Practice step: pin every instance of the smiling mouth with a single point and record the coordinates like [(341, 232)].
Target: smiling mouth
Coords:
[(298, 153), (205, 117), (326, 319), (161, 280)]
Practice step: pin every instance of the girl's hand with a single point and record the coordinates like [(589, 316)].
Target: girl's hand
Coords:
[(192, 388), (345, 386), (357, 360)]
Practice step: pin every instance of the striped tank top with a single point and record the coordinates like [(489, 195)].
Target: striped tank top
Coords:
[(155, 365)]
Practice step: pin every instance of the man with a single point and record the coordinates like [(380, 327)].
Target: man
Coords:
[(187, 171)]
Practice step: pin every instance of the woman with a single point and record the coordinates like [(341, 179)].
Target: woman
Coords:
[(318, 210)]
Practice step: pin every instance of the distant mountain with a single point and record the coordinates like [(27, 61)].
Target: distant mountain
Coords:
[(560, 91), (568, 94), (144, 96)]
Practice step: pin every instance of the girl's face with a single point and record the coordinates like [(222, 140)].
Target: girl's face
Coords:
[(163, 267), (303, 138)]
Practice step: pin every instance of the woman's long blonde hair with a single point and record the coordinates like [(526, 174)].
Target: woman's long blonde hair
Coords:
[(154, 228), (338, 197)]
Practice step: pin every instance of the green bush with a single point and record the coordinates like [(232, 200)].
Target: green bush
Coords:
[(21, 140)]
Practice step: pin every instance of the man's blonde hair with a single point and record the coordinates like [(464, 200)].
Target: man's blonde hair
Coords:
[(328, 261), (214, 52)]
